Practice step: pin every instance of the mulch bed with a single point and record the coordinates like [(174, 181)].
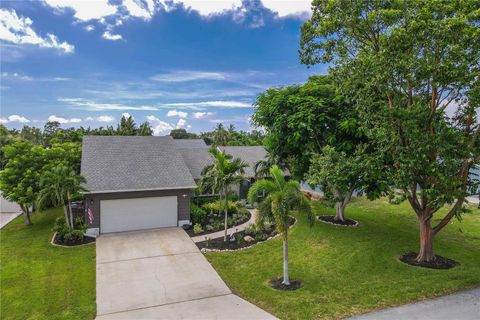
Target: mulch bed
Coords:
[(219, 244), (86, 240), (331, 220), (439, 262), (221, 219), (278, 285)]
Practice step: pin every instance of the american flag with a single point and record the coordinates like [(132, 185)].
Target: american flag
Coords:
[(90, 215)]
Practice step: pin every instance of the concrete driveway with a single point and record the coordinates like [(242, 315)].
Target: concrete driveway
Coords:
[(161, 274)]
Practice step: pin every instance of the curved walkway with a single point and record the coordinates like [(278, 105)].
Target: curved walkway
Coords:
[(220, 233)]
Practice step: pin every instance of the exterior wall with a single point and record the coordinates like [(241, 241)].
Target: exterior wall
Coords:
[(92, 201)]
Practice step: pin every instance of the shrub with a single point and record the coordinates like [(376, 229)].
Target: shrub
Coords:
[(250, 230), (200, 201), (74, 236), (233, 197), (217, 207), (241, 204), (197, 214), (197, 228), (209, 228)]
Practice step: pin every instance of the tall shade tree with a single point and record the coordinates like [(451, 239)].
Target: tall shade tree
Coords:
[(19, 180), (280, 198), (221, 175), (412, 68), (301, 120), (58, 186)]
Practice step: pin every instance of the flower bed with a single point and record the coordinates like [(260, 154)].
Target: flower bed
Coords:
[(210, 218), (242, 239), (58, 241)]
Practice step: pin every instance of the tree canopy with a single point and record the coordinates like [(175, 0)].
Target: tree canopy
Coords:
[(300, 120), (412, 70)]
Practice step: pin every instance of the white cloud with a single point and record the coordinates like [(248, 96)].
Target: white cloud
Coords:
[(159, 127), (110, 36), (175, 113), (206, 8), (202, 115), (286, 8), (183, 76), (85, 10), (18, 29), (14, 118), (63, 120), (181, 123), (212, 104), (101, 119), (89, 27), (16, 76), (141, 9), (126, 115), (94, 106)]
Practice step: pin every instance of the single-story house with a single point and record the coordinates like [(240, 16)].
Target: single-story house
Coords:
[(141, 182), (135, 183)]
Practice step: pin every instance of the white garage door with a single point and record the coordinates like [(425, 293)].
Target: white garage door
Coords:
[(137, 214)]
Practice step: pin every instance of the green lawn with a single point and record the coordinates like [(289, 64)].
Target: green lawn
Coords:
[(348, 271), (39, 281)]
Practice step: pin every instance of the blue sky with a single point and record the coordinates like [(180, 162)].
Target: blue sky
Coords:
[(177, 64)]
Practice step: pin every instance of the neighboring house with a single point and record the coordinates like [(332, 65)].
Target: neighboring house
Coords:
[(251, 155), (139, 182)]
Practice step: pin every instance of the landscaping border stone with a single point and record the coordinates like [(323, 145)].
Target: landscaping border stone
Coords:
[(52, 242), (337, 224)]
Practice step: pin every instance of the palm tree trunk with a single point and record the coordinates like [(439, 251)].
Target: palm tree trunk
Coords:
[(70, 210), (26, 215), (65, 212), (286, 279), (226, 218)]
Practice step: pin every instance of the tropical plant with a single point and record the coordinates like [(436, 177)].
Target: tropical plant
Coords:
[(281, 197), (219, 176), (412, 69), (58, 186)]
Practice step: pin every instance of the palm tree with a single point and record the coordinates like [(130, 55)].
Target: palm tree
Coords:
[(58, 186), (281, 197), (262, 167), (220, 175)]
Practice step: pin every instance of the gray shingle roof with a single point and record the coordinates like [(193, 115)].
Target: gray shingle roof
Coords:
[(119, 163), (196, 160), (190, 143), (249, 154)]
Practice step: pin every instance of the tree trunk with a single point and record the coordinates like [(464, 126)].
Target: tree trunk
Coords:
[(70, 210), (286, 279), (226, 218), (26, 215), (65, 212), (426, 241), (339, 211), (342, 201)]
